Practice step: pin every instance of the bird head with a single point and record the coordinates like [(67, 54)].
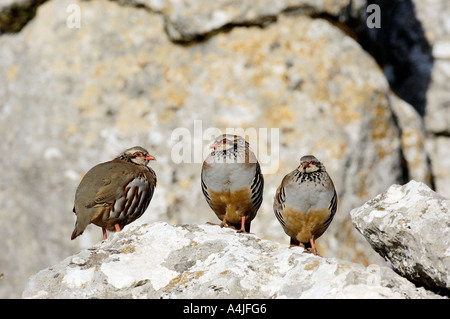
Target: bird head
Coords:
[(310, 164), (137, 155), (227, 142)]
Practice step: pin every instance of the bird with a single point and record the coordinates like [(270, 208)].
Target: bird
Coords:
[(115, 193), (232, 182), (305, 203)]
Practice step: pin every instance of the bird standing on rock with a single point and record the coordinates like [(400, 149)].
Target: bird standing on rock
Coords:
[(306, 202), (115, 193), (232, 182)]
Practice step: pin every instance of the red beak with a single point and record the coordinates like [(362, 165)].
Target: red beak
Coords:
[(215, 145), (305, 164), (150, 158)]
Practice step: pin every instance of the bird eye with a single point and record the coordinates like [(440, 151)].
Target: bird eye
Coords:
[(313, 162), (138, 154), (224, 141)]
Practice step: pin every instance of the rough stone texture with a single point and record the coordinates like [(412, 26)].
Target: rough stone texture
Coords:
[(205, 261), (437, 115), (439, 149), (437, 32), (74, 97), (409, 226), (413, 139)]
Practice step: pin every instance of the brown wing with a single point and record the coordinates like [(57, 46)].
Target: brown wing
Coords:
[(107, 193), (117, 178)]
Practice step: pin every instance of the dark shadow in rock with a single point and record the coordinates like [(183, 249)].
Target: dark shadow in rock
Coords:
[(400, 48), (16, 16)]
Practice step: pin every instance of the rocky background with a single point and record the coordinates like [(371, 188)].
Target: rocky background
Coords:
[(83, 80)]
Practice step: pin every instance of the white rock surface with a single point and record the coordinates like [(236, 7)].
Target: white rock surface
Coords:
[(409, 226), (204, 261)]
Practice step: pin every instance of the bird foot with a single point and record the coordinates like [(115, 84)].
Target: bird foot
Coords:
[(221, 224), (243, 231), (312, 251), (309, 250)]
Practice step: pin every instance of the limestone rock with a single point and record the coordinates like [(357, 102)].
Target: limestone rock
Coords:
[(439, 149), (437, 115), (205, 261), (409, 226), (413, 140)]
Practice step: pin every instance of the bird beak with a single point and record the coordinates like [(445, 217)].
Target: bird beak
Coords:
[(305, 164), (150, 158), (215, 145)]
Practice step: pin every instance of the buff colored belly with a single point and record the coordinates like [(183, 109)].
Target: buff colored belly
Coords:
[(232, 205), (303, 226)]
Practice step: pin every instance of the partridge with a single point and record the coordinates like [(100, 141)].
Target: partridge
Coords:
[(115, 193), (305, 203), (232, 182)]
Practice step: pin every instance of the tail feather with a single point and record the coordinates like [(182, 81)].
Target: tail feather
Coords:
[(80, 225), (295, 242), (247, 227), (75, 234)]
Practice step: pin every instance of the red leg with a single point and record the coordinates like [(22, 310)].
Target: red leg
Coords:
[(117, 227), (104, 233), (242, 230), (313, 247)]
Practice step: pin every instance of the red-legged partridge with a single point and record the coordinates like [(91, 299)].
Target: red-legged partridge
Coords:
[(305, 203), (232, 182), (115, 193)]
